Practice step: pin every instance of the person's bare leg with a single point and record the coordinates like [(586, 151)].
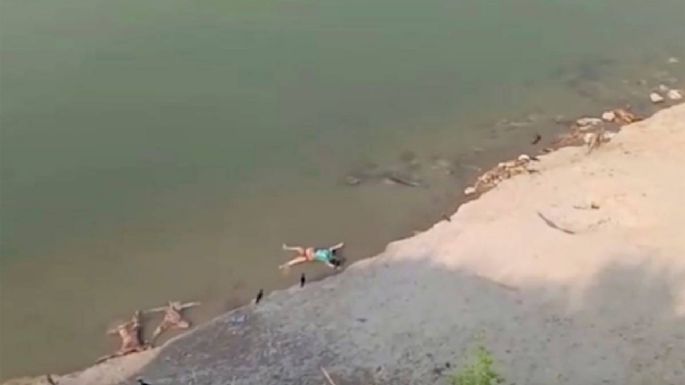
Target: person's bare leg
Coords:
[(298, 249), (338, 246), (160, 329), (294, 261)]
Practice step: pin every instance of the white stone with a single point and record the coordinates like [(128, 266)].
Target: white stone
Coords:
[(609, 116), (524, 158), (469, 191), (656, 98), (588, 121), (673, 60), (607, 136), (674, 95)]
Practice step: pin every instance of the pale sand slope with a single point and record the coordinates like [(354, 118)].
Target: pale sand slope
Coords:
[(603, 306)]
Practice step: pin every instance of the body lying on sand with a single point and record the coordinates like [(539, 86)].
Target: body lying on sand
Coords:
[(327, 255), (131, 332)]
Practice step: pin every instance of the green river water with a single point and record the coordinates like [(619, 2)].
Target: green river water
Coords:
[(156, 150)]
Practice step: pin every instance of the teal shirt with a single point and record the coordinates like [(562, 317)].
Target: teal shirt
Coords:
[(323, 255)]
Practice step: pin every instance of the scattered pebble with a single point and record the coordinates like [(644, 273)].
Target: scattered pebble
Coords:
[(238, 319), (352, 180), (524, 158), (608, 135), (469, 190), (674, 95), (673, 60), (656, 98), (609, 116), (582, 122)]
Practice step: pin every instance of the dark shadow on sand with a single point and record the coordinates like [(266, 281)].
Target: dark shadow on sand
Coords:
[(407, 322)]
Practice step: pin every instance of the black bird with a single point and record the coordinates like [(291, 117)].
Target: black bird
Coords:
[(260, 295), (303, 280), (537, 139), (141, 382)]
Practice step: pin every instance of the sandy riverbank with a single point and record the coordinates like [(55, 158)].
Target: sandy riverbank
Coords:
[(605, 304)]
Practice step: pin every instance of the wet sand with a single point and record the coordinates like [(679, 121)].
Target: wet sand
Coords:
[(605, 304)]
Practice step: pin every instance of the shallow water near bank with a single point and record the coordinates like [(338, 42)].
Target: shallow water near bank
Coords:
[(165, 150)]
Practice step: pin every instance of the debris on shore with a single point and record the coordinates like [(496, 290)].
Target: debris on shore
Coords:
[(503, 171), (674, 95), (656, 97), (589, 131), (399, 179)]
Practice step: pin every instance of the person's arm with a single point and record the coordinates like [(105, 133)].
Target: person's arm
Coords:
[(298, 249), (293, 262), (190, 304)]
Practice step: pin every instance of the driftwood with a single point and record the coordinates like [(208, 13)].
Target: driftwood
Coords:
[(328, 376), (594, 140), (625, 117), (554, 225), (402, 180)]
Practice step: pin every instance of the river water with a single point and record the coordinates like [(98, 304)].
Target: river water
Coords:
[(156, 150)]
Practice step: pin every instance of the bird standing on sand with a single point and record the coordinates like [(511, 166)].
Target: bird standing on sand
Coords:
[(260, 295), (303, 280)]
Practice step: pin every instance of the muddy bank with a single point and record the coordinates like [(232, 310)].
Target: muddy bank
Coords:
[(602, 302)]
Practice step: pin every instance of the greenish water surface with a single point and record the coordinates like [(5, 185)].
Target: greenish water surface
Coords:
[(156, 150)]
